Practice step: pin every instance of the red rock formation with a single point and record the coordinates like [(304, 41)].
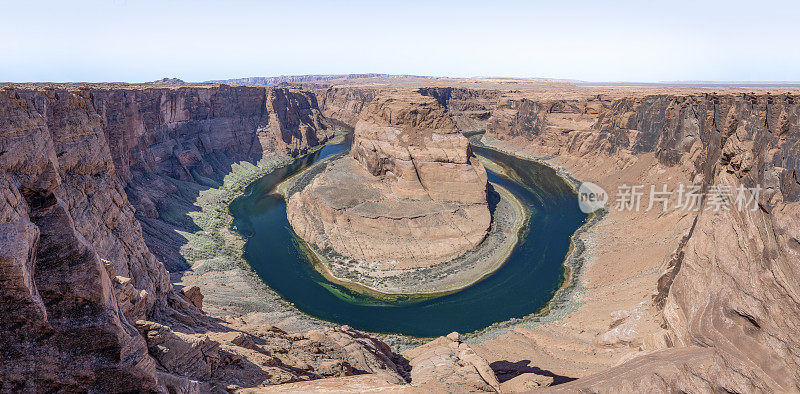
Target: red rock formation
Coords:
[(345, 104), (62, 327), (729, 296), (75, 270), (470, 109), (444, 364), (411, 193), (164, 141)]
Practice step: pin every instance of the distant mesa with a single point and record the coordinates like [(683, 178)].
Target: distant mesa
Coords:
[(168, 81), (298, 79)]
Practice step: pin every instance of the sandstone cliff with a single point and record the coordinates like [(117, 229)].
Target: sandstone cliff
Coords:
[(729, 295), (470, 109), (730, 269), (411, 193), (444, 364), (735, 288), (65, 210), (344, 103), (415, 145), (96, 180), (76, 269), (166, 143)]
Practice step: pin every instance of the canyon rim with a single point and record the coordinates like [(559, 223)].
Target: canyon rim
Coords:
[(399, 232), (100, 240)]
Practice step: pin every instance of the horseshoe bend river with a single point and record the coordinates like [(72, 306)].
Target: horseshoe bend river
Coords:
[(522, 286)]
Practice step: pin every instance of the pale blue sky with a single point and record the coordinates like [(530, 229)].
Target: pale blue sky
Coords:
[(117, 40)]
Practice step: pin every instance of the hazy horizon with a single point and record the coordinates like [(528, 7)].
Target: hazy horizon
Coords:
[(617, 41), (744, 83)]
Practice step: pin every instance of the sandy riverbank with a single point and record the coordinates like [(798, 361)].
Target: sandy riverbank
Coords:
[(605, 314), (509, 219), (230, 287)]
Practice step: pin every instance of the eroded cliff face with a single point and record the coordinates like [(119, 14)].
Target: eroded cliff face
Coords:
[(410, 193), (736, 289), (64, 210), (470, 109), (417, 148), (85, 304), (96, 180), (168, 143), (345, 103), (555, 126), (729, 295)]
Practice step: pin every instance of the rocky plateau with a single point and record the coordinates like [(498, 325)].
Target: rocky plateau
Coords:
[(99, 184)]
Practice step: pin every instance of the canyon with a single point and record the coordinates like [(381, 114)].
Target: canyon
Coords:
[(117, 273)]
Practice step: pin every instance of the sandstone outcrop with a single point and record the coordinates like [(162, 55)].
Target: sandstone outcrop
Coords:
[(76, 271), (447, 364), (727, 296), (193, 295), (62, 326), (411, 193), (167, 144), (735, 288), (470, 109), (95, 180), (345, 104), (443, 365), (267, 355)]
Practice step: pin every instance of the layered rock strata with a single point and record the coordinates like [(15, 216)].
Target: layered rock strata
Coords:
[(345, 104), (167, 144), (410, 194), (445, 364), (64, 209), (85, 304), (470, 109), (723, 273), (96, 180), (727, 297)]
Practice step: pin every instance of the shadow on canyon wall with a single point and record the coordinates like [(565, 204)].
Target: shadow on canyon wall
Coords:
[(170, 145), (507, 370)]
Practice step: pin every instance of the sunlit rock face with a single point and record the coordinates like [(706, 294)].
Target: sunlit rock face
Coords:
[(87, 175), (410, 194)]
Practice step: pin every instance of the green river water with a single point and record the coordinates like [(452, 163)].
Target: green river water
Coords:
[(522, 286)]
